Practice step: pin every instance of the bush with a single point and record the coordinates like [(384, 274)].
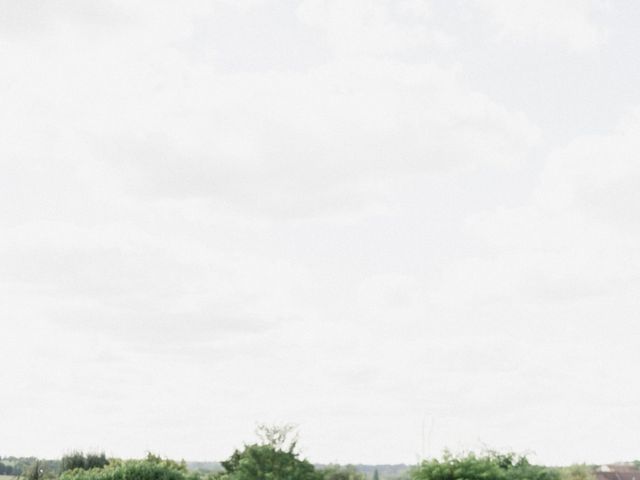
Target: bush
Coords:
[(151, 468), (38, 470), (490, 466), (336, 472), (74, 460), (264, 462), (272, 459)]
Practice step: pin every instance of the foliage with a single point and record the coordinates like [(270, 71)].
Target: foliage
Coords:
[(336, 472), (272, 459), (204, 468), (19, 465), (490, 466), (95, 460), (6, 469), (280, 437), (72, 460), (151, 468), (38, 470), (264, 462), (76, 459)]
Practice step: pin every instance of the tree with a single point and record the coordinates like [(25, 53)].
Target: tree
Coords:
[(95, 460), (38, 470), (468, 467), (151, 468), (273, 458), (77, 459), (6, 469), (375, 475), (71, 461), (278, 436), (490, 466), (336, 472)]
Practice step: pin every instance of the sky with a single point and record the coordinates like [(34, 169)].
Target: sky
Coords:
[(402, 225)]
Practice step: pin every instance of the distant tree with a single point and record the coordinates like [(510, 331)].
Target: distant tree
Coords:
[(38, 470), (16, 465), (77, 459), (274, 458), (375, 475), (151, 468), (6, 469), (95, 460), (468, 467), (72, 460), (280, 437), (490, 466), (336, 472)]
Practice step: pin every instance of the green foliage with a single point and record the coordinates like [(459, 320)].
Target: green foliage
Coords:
[(95, 460), (490, 466), (19, 465), (336, 472), (280, 437), (38, 470), (6, 469), (74, 460), (273, 459), (458, 468), (151, 468), (376, 476), (264, 462)]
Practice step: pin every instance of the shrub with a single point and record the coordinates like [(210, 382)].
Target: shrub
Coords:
[(151, 468)]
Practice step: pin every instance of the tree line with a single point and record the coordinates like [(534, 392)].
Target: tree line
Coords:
[(275, 457)]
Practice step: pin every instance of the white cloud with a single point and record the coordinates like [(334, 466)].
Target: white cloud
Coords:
[(300, 212), (569, 22), (157, 121), (563, 268), (365, 27), (575, 241)]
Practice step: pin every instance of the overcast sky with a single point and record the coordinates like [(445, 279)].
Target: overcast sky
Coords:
[(360, 216)]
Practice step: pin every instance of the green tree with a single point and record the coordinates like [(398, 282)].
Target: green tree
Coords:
[(5, 469), (78, 459), (151, 468), (96, 460), (71, 461), (274, 458), (336, 472), (468, 467), (38, 470), (376, 476), (490, 466)]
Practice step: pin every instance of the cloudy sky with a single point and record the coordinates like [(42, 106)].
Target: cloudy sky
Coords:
[(364, 217)]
